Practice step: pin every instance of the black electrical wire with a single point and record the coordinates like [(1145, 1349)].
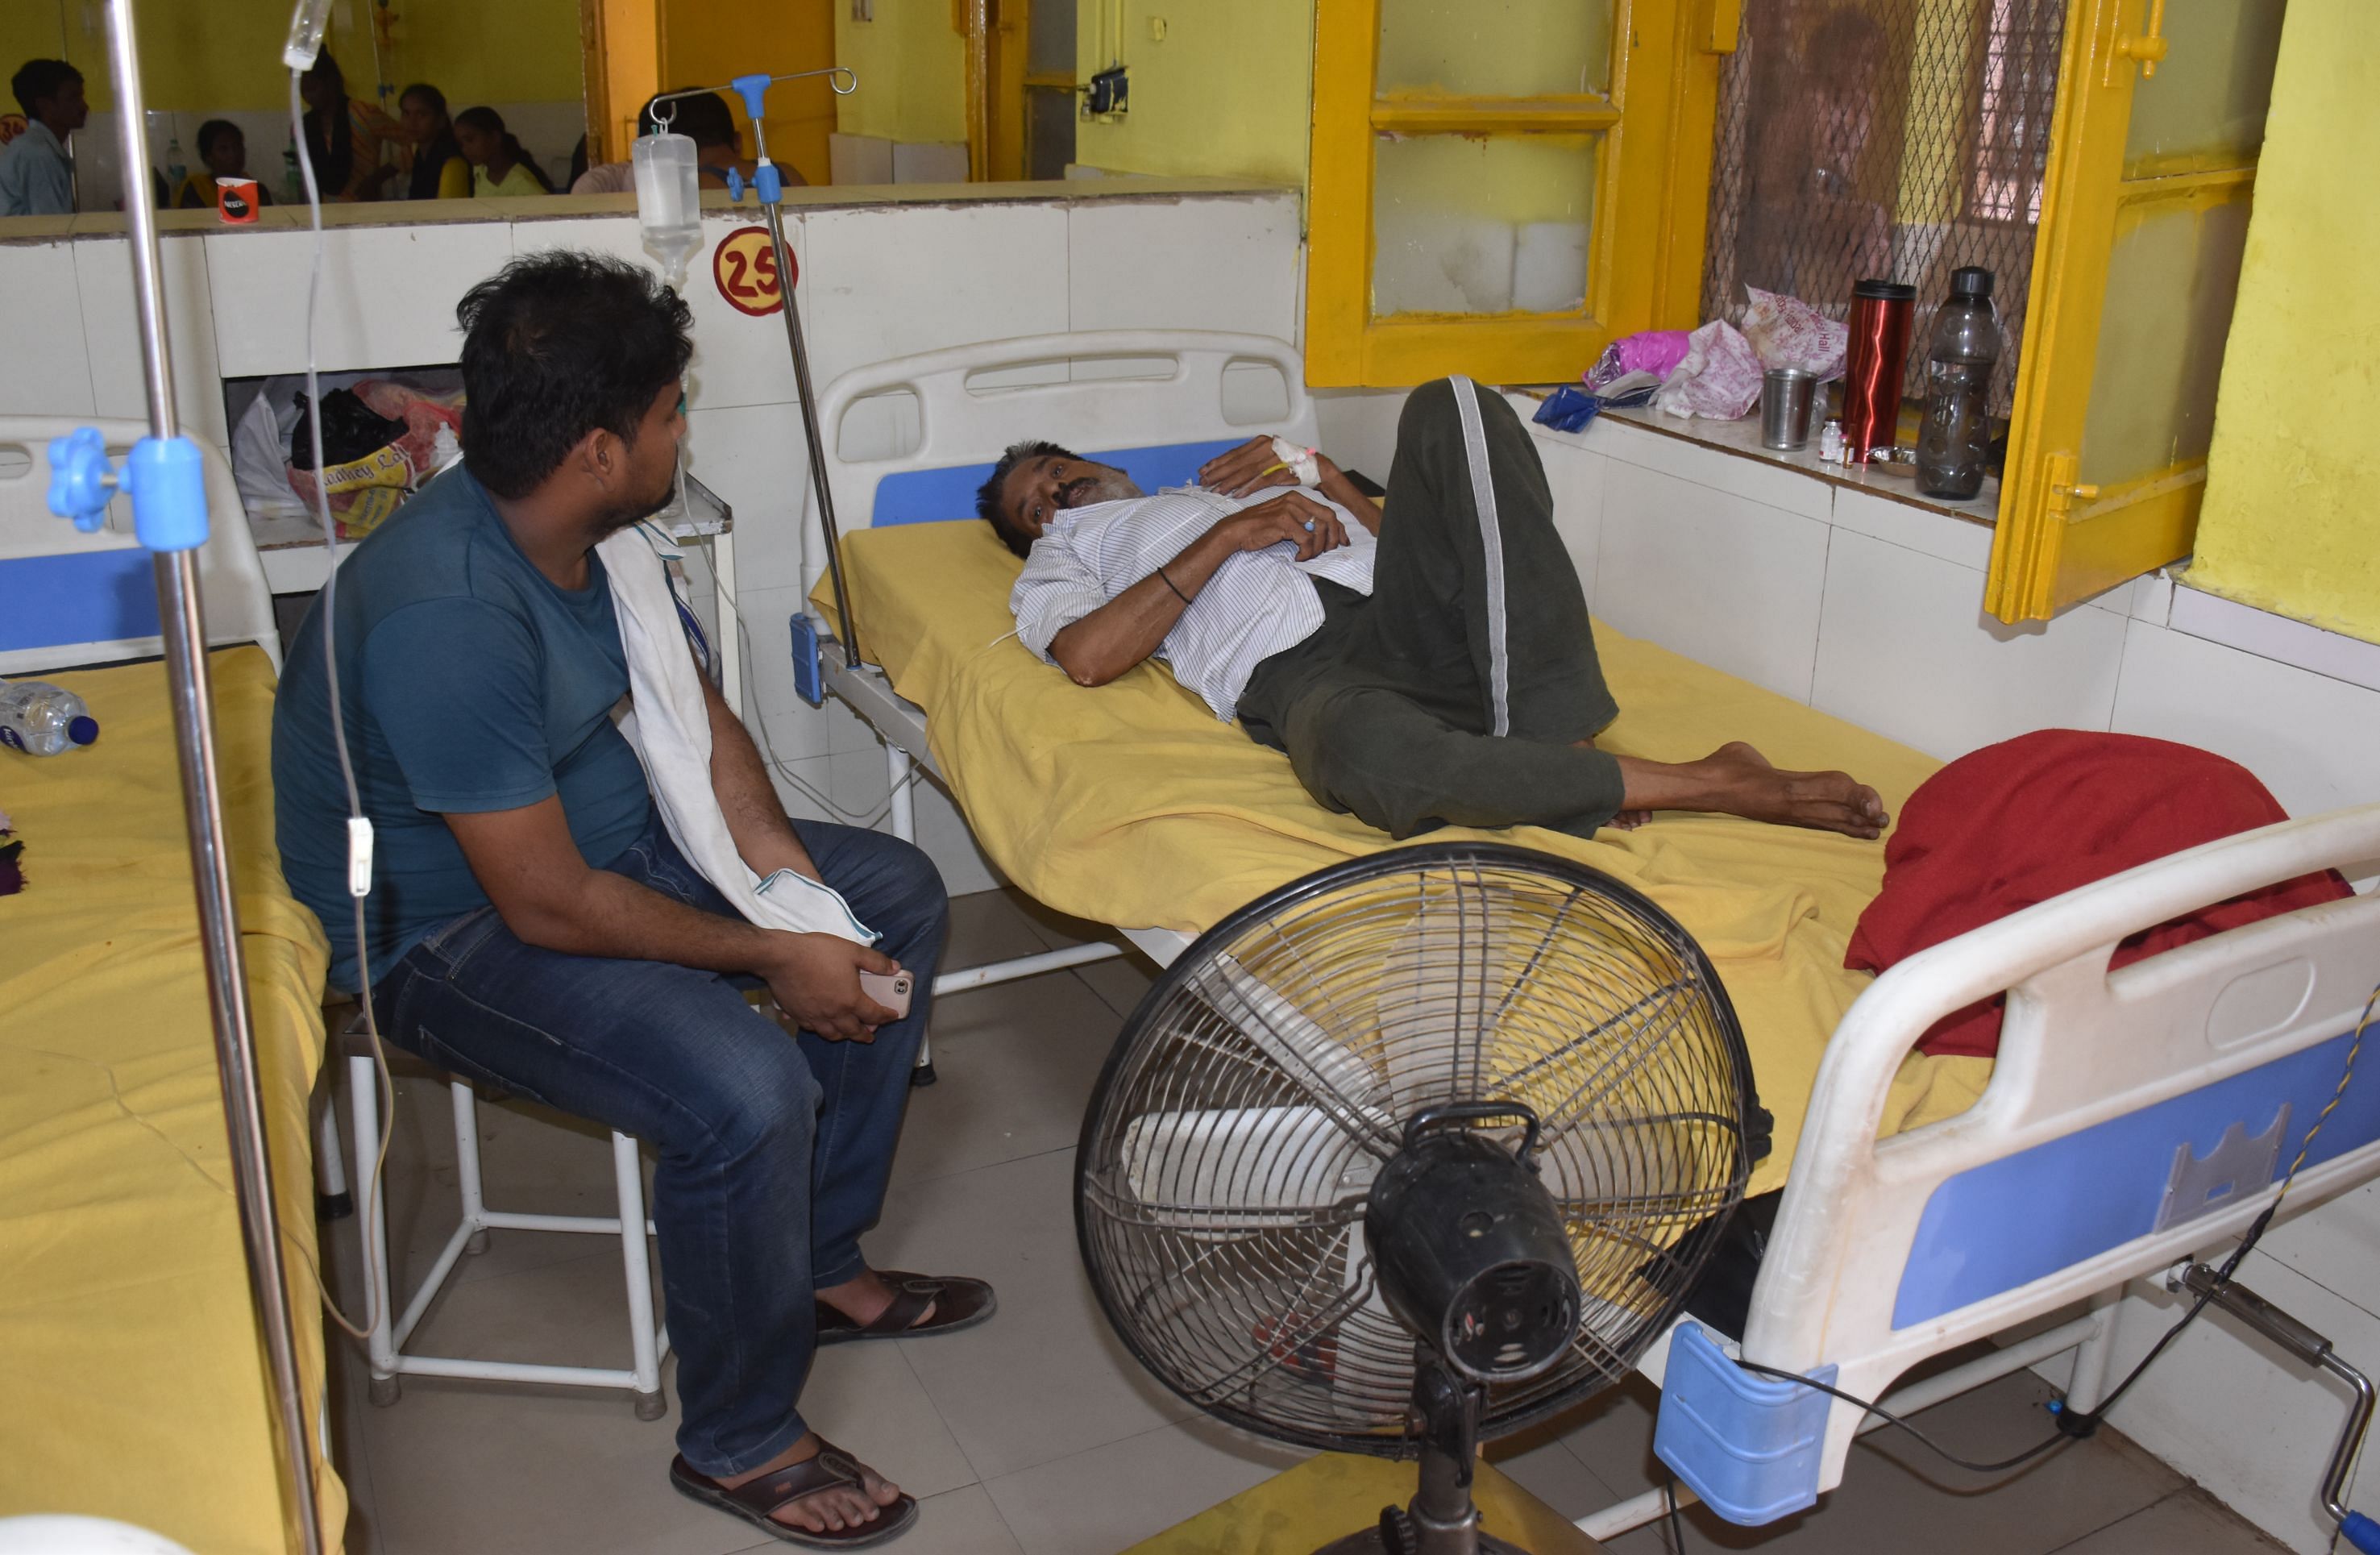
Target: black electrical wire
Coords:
[(1677, 1523), (2035, 1451), (2076, 1425)]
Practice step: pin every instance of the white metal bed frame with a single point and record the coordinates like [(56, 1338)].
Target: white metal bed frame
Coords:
[(2084, 1049)]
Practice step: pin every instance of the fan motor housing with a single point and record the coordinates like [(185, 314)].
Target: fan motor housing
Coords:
[(1470, 1252)]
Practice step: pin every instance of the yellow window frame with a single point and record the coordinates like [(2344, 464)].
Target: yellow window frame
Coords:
[(2060, 540), (1644, 251)]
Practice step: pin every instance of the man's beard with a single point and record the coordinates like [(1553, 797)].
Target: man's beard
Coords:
[(1085, 490), (637, 510)]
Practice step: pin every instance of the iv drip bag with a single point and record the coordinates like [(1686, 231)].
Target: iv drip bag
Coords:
[(669, 201)]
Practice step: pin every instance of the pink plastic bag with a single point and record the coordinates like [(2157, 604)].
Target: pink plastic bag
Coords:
[(1719, 378), (1656, 351), (1787, 332)]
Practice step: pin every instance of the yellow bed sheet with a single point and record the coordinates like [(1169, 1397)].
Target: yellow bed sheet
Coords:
[(1132, 804), (135, 1376)]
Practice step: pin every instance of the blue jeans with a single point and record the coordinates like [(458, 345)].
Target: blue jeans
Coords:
[(773, 1150)]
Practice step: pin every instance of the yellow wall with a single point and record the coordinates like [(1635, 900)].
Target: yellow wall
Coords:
[(1228, 92), (199, 57), (912, 68), (705, 41), (2291, 522)]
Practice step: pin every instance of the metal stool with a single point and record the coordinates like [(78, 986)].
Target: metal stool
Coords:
[(392, 1329)]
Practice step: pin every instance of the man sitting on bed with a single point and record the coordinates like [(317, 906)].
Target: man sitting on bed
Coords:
[(533, 927), (1435, 671)]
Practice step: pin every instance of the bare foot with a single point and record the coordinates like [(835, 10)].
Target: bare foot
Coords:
[(825, 1511), (864, 1298), (1823, 801)]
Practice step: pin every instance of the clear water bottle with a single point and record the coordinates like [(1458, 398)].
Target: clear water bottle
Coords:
[(178, 167), (43, 719), (1959, 363)]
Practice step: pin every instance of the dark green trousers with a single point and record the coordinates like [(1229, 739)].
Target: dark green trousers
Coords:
[(1455, 694)]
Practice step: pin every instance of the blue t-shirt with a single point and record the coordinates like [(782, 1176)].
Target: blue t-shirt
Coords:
[(469, 682)]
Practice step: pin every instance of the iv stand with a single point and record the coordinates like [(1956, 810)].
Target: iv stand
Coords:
[(767, 185), (165, 476)]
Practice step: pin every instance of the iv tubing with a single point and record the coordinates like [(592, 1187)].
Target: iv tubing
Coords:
[(184, 629)]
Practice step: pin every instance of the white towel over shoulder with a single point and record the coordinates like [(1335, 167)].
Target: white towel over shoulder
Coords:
[(670, 731)]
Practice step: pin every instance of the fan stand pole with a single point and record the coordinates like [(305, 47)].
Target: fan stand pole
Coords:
[(1443, 1518)]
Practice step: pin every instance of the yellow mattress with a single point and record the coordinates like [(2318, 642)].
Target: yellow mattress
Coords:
[(1132, 804), (136, 1381)]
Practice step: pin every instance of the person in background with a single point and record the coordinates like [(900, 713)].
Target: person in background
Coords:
[(500, 168), (344, 136), (223, 153), (439, 170), (36, 180), (706, 121)]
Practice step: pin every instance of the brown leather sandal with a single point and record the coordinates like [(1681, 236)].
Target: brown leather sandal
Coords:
[(757, 1502), (958, 1303)]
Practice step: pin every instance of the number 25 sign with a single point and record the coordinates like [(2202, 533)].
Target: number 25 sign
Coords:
[(745, 268)]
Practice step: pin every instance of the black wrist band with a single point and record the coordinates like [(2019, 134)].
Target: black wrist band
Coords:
[(1176, 588)]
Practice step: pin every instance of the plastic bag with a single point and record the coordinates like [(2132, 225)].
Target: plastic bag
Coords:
[(1719, 378), (351, 431), (1656, 351), (1787, 332)]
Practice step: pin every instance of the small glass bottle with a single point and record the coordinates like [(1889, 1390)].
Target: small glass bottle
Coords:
[(1959, 362)]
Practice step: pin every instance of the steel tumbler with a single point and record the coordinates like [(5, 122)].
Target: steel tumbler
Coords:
[(1786, 395)]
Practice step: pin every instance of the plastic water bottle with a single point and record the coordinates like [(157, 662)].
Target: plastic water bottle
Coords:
[(1966, 346), (176, 166), (43, 719)]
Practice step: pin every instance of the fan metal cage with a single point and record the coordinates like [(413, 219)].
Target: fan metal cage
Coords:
[(1267, 1076)]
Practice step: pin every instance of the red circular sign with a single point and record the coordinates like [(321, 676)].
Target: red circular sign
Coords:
[(744, 267)]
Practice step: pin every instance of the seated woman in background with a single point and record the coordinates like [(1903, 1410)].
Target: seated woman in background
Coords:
[(499, 167), (439, 171), (346, 137), (223, 153)]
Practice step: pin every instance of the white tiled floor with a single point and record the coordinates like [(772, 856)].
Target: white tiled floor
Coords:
[(1035, 1433)]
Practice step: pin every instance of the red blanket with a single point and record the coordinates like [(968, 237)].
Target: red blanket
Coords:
[(2032, 817)]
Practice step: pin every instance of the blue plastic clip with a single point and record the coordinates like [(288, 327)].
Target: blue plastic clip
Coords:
[(1748, 1445), (770, 182), (166, 481), (754, 90), (735, 185), (81, 481), (809, 678), (2362, 1532)]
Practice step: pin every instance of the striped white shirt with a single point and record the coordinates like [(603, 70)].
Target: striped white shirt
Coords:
[(1258, 603)]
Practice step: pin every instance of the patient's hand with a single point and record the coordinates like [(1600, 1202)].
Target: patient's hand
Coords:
[(1292, 516), (1248, 468)]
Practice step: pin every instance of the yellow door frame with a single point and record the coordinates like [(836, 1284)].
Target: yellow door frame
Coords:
[(1652, 183)]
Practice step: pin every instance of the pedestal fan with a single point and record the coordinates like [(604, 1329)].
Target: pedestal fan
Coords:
[(1411, 1154)]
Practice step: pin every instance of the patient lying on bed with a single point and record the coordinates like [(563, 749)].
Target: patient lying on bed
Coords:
[(1437, 671)]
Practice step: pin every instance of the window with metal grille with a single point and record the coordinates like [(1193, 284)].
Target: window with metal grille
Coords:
[(1895, 139)]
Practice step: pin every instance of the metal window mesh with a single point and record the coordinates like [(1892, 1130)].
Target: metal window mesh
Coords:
[(1895, 139)]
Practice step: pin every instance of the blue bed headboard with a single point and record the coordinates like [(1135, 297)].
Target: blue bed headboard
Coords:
[(926, 497)]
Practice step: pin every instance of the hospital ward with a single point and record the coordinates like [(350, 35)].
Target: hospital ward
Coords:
[(1189, 777)]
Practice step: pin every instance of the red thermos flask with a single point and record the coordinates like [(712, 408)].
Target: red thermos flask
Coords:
[(1879, 356)]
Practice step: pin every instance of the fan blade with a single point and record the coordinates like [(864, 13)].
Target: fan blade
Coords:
[(1244, 1169), (1341, 1085)]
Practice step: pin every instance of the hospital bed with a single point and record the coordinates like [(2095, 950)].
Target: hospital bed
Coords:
[(134, 1362), (2133, 1117)]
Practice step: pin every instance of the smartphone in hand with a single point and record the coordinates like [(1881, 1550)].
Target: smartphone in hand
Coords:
[(889, 990)]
